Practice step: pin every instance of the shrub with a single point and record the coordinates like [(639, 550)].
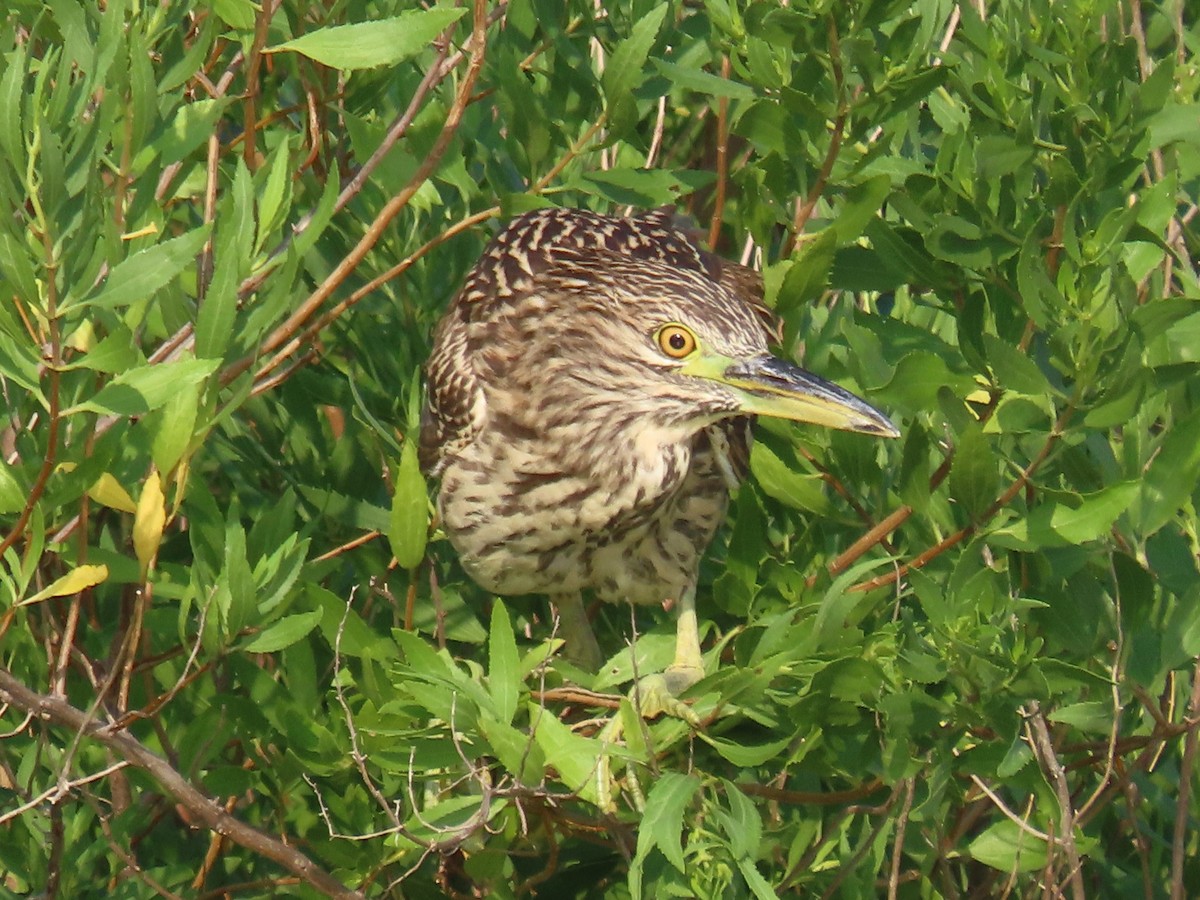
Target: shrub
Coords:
[(237, 661)]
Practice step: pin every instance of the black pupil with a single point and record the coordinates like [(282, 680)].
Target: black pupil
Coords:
[(677, 341)]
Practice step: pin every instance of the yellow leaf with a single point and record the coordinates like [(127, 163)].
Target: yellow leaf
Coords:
[(72, 583), (149, 521), (108, 492)]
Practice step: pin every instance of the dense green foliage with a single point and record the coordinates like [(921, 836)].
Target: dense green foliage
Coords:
[(236, 660)]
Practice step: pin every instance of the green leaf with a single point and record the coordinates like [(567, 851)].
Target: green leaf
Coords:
[(174, 426), (1057, 524), (1168, 483), (1009, 848), (808, 274), (140, 275), (973, 476), (516, 751), (114, 353), (284, 632), (237, 14), (702, 82), (744, 817), (503, 666), (234, 245), (860, 206), (1089, 715), (1014, 370), (275, 199), (408, 525), (576, 759), (918, 378), (12, 493), (146, 388), (368, 44), (624, 70), (662, 822), (798, 490), (639, 187), (746, 755)]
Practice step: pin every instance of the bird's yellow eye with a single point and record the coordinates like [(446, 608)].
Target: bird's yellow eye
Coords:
[(676, 341)]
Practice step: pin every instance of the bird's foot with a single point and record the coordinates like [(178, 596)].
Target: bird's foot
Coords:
[(654, 695)]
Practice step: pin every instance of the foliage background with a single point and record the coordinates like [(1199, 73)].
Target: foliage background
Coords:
[(961, 664)]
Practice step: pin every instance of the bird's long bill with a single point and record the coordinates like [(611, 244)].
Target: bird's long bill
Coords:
[(772, 387)]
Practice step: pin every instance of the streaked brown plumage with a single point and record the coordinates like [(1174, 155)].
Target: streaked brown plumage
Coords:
[(587, 408)]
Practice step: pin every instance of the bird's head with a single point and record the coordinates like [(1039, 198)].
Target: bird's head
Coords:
[(686, 350)]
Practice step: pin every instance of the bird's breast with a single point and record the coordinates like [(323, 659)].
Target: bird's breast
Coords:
[(629, 521)]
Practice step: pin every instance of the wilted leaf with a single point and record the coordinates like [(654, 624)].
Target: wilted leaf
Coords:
[(149, 521), (78, 579), (109, 492)]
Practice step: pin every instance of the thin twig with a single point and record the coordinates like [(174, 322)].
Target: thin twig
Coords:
[(1183, 802), (1043, 749), (205, 810)]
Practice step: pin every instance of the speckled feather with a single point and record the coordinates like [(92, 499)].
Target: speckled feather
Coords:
[(571, 455)]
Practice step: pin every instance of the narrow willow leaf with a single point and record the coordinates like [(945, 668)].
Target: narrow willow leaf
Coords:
[(744, 816), (274, 200), (624, 72), (861, 205), (1089, 715), (140, 275), (73, 582), (285, 632), (503, 666), (702, 82), (1014, 370), (174, 425), (808, 274), (368, 44), (234, 242), (746, 755), (408, 525), (149, 522), (146, 388)]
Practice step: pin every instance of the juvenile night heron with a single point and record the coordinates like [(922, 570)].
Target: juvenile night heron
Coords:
[(589, 402)]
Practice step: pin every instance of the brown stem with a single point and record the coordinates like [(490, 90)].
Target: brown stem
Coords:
[(203, 808), (714, 229), (1191, 744), (283, 336), (998, 504), (836, 134)]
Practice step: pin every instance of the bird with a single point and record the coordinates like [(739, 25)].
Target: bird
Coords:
[(589, 399)]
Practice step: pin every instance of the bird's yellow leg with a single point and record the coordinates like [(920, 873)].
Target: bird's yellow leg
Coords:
[(656, 694), (574, 628)]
